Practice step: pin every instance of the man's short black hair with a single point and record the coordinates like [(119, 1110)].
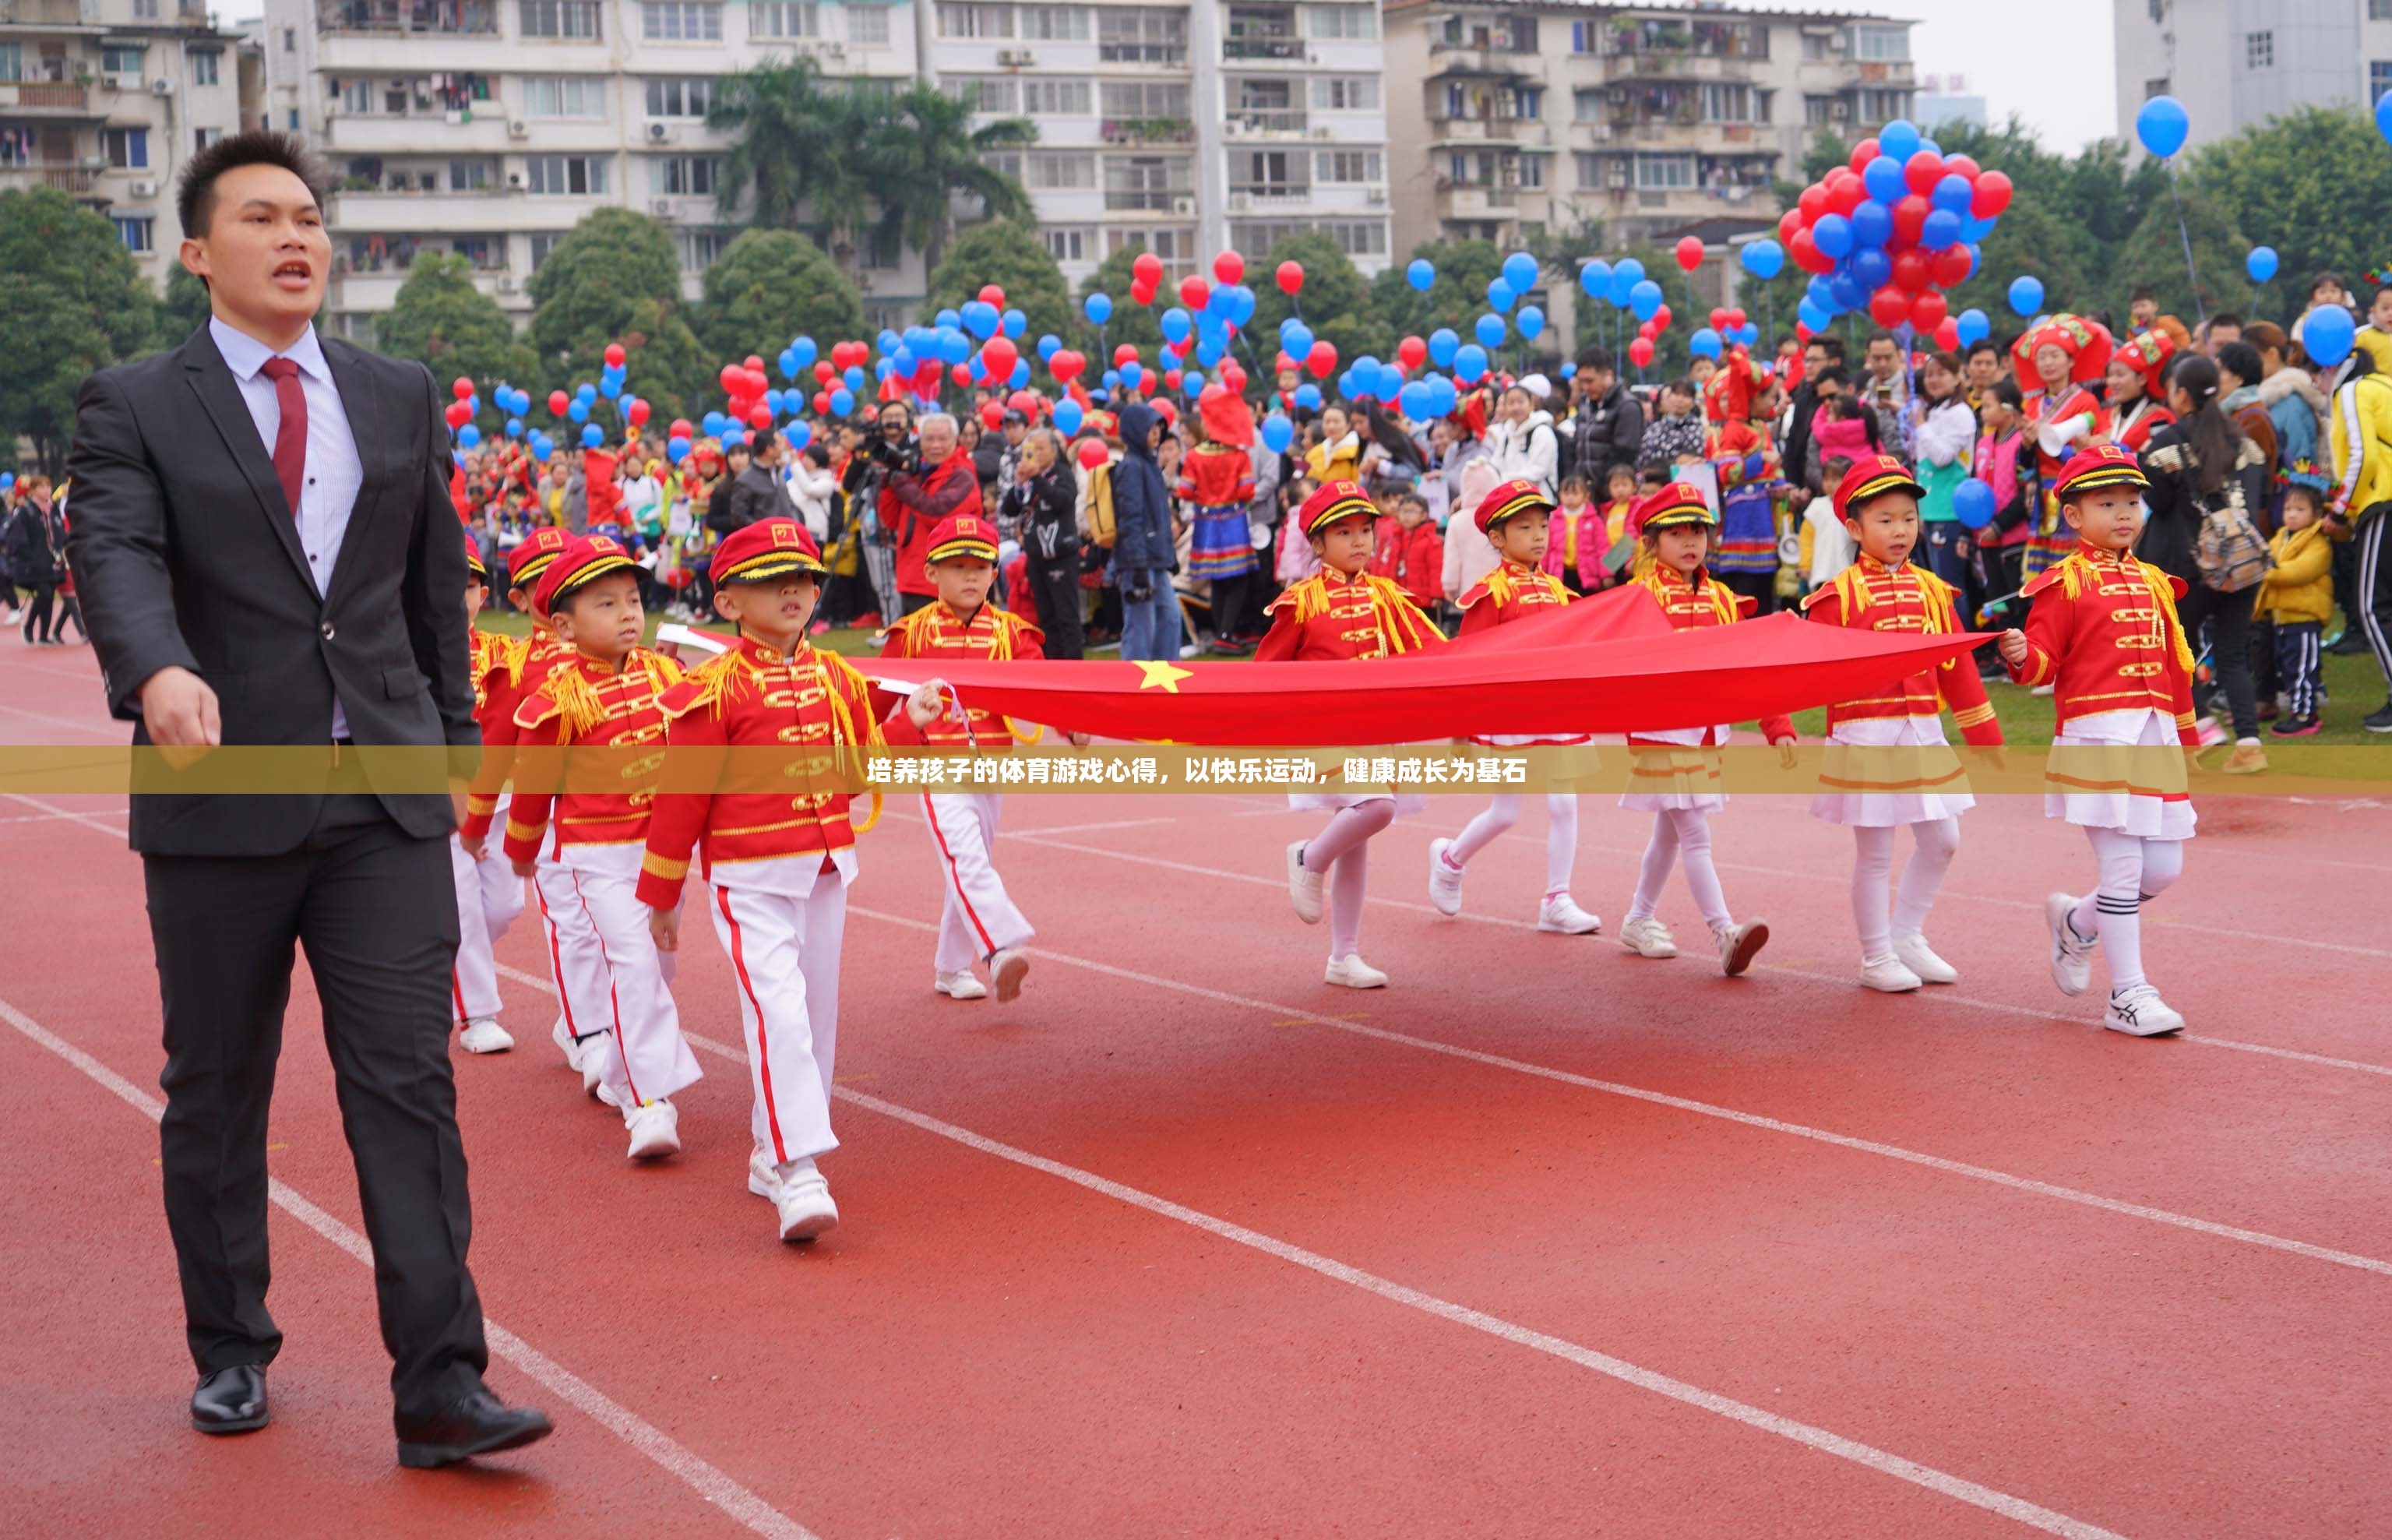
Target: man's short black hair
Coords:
[(195, 191), (1985, 345), (1595, 356), (2142, 291), (1830, 374), (2226, 318), (1832, 345), (2243, 360), (1885, 337)]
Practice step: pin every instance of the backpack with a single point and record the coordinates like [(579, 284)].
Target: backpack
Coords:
[(2228, 551), (1102, 528)]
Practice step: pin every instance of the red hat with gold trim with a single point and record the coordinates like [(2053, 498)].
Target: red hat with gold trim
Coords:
[(2103, 465), (2086, 342), (528, 560), (1510, 501), (1331, 502), (2147, 354), (473, 559), (1677, 504), (963, 535), (583, 561), (765, 551), (1871, 475), (1730, 391)]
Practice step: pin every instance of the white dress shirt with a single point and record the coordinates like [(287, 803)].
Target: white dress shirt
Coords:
[(334, 474)]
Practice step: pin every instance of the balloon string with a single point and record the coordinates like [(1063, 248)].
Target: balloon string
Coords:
[(2200, 311)]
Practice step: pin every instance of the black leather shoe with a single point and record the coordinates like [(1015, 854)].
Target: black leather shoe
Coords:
[(232, 1400), (478, 1424)]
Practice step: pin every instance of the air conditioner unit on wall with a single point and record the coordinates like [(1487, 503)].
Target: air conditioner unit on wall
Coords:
[(1183, 206), (144, 189), (162, 87), (1376, 196), (661, 133), (1016, 58), (518, 129), (660, 206)]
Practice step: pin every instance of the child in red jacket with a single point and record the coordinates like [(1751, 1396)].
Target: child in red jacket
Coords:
[(1411, 551)]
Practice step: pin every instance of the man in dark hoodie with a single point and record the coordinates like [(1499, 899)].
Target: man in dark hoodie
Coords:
[(1143, 557)]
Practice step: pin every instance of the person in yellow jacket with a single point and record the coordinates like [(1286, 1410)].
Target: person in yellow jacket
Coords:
[(2296, 599), (2363, 471)]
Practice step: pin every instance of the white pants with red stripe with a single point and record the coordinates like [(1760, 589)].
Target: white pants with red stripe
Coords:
[(784, 952), (574, 965), (489, 895), (650, 1061), (979, 920)]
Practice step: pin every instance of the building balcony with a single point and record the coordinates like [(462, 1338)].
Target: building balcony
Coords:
[(433, 17), (475, 211), (1266, 123), (1178, 201), (1146, 131), (1499, 62), (1474, 199), (1523, 131), (49, 98), (1704, 138), (1264, 50), (1258, 197), (362, 133), (75, 181)]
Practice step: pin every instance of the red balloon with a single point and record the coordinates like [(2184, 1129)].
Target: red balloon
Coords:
[(1286, 361), (822, 403), (1412, 352), (1639, 352), (732, 378), (992, 411), (991, 294), (1863, 152), (1910, 270), (1735, 315), (1647, 331), (1922, 171), (557, 401), (1661, 320), (1951, 266), (1947, 334), (1094, 453), (1125, 353), (1889, 305), (1802, 332), (1141, 293), (1171, 378), (1927, 312), (1228, 267), (1065, 365), (762, 416), (1000, 355), (1909, 219), (1290, 276), (1845, 191), (1718, 318), (1813, 203), (927, 377), (1232, 375), (614, 355), (458, 414), (1194, 292), (638, 412), (1962, 165), (823, 372), (1690, 253), (1322, 360), (1993, 194), (755, 364), (1024, 402), (961, 374), (1788, 223), (1807, 254), (1146, 268), (462, 388), (680, 429)]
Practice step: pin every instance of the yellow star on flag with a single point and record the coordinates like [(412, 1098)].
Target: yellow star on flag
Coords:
[(1162, 676)]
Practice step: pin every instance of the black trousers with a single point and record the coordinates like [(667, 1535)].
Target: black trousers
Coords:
[(2229, 618), (1054, 594), (37, 610), (376, 909)]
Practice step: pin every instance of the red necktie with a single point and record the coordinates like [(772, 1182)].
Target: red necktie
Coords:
[(290, 438)]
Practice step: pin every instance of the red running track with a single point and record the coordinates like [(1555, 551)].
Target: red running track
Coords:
[(1542, 1240)]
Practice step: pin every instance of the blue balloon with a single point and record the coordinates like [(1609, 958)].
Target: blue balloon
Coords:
[(1469, 363), (948, 319), (2162, 124), (1307, 396), (954, 345), (1763, 259), (843, 401), (1954, 192), (1871, 268), (1632, 267), (541, 449), (1442, 346), (586, 391), (1445, 396), (802, 350), (1972, 504), (733, 439), (1520, 272), (904, 362), (1872, 225), (1210, 351), (1176, 325), (1278, 431), (1974, 230), (1530, 320), (1367, 367), (1974, 326), (2326, 335), (1067, 416), (982, 319), (468, 436), (789, 364), (1192, 383), (1850, 294), (1821, 292), (1244, 312), (676, 450), (883, 368), (2260, 264), (610, 388), (514, 428), (1296, 337), (1882, 177), (1644, 299), (798, 433), (1489, 330), (1500, 295), (1391, 382), (1111, 379), (1942, 230), (2383, 116), (1898, 140), (1016, 323), (1623, 283), (1020, 375), (1595, 277), (1931, 148), (1132, 373), (1751, 334), (1833, 235), (853, 378), (1048, 346), (1100, 308), (1813, 315), (1414, 399), (592, 436), (714, 423), (578, 408), (2026, 296), (887, 340), (1350, 387), (777, 402), (1704, 344)]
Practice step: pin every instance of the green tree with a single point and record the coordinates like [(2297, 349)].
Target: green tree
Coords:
[(1335, 300), (1009, 255), (1456, 299), (441, 321), (1138, 324), (771, 286), (2154, 255), (76, 302), (185, 310), (793, 150), (614, 278), (922, 155), (2313, 183)]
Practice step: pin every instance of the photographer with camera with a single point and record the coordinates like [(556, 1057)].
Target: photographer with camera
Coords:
[(866, 482), (939, 483)]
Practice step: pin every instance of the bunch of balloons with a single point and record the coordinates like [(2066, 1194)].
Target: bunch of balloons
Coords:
[(1889, 232)]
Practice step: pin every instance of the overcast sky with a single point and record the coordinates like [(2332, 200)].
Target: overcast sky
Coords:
[(2047, 60)]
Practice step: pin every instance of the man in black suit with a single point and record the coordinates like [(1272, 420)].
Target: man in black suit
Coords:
[(268, 556)]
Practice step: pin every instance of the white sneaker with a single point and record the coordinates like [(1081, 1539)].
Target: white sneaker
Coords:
[(763, 1175), (2072, 953), (1888, 976), (565, 1045), (1444, 879), (2138, 1012), (962, 984), (484, 1037), (656, 1130), (1354, 973), (597, 1056), (1740, 944), (1560, 912), (1921, 959), (1005, 969), (1303, 887), (1648, 937), (805, 1202)]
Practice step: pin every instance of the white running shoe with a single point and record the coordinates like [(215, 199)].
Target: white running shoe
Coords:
[(656, 1130), (2138, 1012), (1560, 913), (2072, 953), (1648, 937), (597, 1056), (1921, 959), (1302, 886), (805, 1202), (1005, 969), (565, 1045), (484, 1037), (1444, 879), (1740, 944), (1888, 976), (763, 1177), (1352, 972), (960, 986)]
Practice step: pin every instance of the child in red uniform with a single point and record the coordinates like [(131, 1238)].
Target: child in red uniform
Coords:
[(1217, 482), (1516, 518), (2103, 631), (1903, 771), (1339, 614), (777, 866), (2055, 362), (980, 920), (604, 696), (1415, 554), (1676, 772), (490, 894)]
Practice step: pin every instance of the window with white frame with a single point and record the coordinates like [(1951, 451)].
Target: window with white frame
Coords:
[(1346, 93), (1047, 98), (681, 96), (1587, 104), (134, 231), (2259, 50), (565, 175), (1360, 23), (1880, 45), (681, 21), (127, 149), (784, 18), (1067, 244), (1004, 162), (684, 176), (541, 244), (1818, 111), (473, 175), (584, 19), (1365, 238), (1346, 165), (972, 21), (1726, 101), (1058, 171), (1817, 47), (1137, 100), (203, 138), (1586, 37), (1664, 173), (1527, 101), (2379, 10), (1055, 23), (1141, 34), (565, 97), (119, 58), (1884, 106), (204, 63), (699, 249), (359, 97), (2379, 80), (1531, 171), (867, 26), (984, 93), (1174, 246), (2155, 86), (145, 11)]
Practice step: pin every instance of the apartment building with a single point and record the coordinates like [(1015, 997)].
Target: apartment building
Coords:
[(105, 99), (1181, 129), (2237, 63)]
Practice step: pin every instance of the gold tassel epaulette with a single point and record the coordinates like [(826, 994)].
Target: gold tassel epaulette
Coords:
[(713, 683), (565, 694)]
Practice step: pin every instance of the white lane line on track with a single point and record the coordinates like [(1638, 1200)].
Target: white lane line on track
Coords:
[(709, 1483), (84, 727), (55, 817), (1867, 1456)]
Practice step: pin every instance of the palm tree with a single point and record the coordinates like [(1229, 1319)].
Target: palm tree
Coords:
[(795, 152), (923, 153)]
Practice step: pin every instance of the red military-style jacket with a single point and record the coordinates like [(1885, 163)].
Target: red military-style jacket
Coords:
[(602, 801), (938, 634), (1698, 605), (517, 668), (1214, 475), (1510, 593), (2103, 633), (1331, 617), (1869, 595)]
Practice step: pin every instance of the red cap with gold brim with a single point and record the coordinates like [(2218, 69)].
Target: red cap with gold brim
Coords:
[(581, 562), (1509, 500), (1677, 506), (2108, 465), (528, 561), (1871, 475), (962, 535), (1331, 502), (765, 551), (473, 559)]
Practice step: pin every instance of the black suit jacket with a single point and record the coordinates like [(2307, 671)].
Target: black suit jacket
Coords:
[(185, 552)]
